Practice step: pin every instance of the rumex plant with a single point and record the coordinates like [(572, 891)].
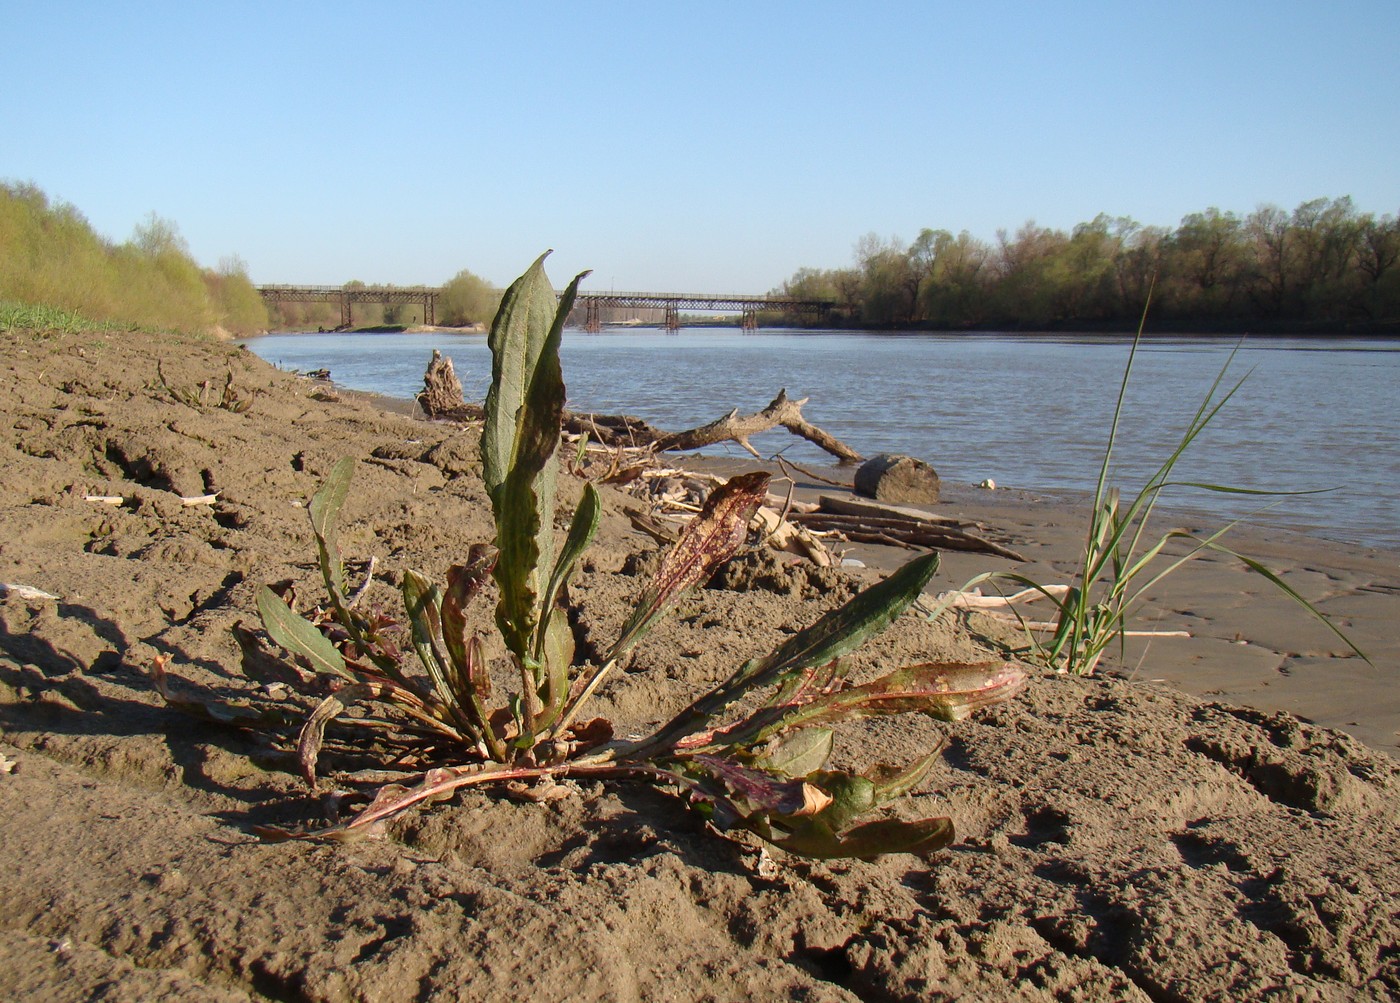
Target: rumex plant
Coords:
[(764, 770)]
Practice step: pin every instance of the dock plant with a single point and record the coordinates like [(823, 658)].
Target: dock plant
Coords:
[(764, 769), (1122, 560)]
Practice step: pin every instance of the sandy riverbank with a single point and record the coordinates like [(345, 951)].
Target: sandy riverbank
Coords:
[(1118, 840)]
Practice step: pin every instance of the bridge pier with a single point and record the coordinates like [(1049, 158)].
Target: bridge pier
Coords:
[(591, 322), (673, 318), (748, 321), (346, 317)]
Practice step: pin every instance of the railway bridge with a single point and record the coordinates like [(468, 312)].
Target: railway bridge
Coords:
[(348, 296), (671, 304), (592, 304)]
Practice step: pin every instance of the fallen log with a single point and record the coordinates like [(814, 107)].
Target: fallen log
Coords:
[(441, 397), (850, 505)]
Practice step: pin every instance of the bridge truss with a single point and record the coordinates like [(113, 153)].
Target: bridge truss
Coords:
[(347, 297), (671, 304), (748, 307)]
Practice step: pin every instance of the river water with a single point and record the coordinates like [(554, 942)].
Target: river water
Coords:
[(1028, 411)]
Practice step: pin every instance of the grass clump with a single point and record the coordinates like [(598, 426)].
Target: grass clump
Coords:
[(1122, 561), (764, 769), (43, 319)]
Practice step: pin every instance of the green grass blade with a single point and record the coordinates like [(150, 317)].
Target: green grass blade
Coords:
[(1293, 594)]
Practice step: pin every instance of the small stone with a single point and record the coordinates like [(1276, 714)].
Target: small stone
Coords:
[(897, 479)]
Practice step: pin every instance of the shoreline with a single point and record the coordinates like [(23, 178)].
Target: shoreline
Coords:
[(1268, 652), (1250, 643)]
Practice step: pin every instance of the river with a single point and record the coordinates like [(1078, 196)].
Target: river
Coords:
[(1027, 411)]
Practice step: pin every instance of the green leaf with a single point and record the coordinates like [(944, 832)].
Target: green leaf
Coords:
[(837, 633), (422, 601), (325, 511), (519, 439), (851, 797), (298, 636), (831, 831), (581, 531), (557, 658), (798, 753), (896, 781), (868, 841), (843, 630)]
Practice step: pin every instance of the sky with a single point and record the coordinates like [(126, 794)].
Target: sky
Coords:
[(669, 147)]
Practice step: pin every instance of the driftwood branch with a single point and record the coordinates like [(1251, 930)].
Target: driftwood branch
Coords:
[(893, 525), (441, 397), (783, 412)]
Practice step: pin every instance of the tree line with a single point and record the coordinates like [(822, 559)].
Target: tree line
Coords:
[(51, 256), (1323, 267)]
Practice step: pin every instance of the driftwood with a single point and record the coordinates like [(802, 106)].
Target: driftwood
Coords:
[(733, 427), (441, 397), (893, 525)]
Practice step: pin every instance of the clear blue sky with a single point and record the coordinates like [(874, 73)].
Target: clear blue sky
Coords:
[(706, 147)]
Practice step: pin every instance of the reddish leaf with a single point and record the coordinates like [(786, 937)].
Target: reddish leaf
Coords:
[(764, 792), (947, 691), (710, 539)]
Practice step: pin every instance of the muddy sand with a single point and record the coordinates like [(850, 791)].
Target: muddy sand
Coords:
[(1214, 819)]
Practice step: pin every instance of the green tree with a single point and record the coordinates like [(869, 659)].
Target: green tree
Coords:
[(467, 299), (1326, 233), (1271, 276), (1138, 263), (954, 292), (237, 304), (1025, 291), (1205, 261)]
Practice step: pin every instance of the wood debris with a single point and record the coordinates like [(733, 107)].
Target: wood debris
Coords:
[(441, 397), (862, 521)]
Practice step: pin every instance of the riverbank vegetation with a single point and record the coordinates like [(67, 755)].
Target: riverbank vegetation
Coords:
[(51, 257), (1323, 267)]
